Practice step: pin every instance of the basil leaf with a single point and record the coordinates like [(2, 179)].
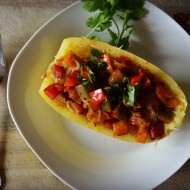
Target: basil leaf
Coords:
[(101, 65), (96, 54), (92, 76), (131, 95)]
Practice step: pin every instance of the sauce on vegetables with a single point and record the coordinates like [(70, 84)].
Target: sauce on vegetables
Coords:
[(113, 91)]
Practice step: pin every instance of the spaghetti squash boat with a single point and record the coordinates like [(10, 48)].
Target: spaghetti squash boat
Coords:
[(112, 91)]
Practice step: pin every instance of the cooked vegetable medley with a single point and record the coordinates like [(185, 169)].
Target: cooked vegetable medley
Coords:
[(113, 91)]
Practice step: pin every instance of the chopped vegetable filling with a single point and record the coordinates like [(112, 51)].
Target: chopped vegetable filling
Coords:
[(113, 91)]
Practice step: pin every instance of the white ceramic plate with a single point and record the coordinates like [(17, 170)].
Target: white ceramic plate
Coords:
[(78, 156)]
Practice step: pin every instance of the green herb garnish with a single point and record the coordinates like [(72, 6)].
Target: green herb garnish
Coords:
[(82, 80), (92, 76), (108, 11), (131, 93), (102, 65), (95, 53)]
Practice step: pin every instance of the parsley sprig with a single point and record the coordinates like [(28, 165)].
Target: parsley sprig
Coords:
[(108, 10)]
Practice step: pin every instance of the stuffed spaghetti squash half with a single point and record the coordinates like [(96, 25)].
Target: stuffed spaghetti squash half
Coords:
[(112, 91)]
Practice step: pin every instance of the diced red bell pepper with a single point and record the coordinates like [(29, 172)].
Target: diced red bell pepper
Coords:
[(157, 131), (53, 90), (134, 80), (72, 80), (58, 71), (97, 96)]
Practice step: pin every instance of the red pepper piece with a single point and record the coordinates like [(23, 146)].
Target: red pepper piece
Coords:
[(59, 87), (72, 80), (97, 96), (58, 71), (134, 80), (157, 131), (53, 90)]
